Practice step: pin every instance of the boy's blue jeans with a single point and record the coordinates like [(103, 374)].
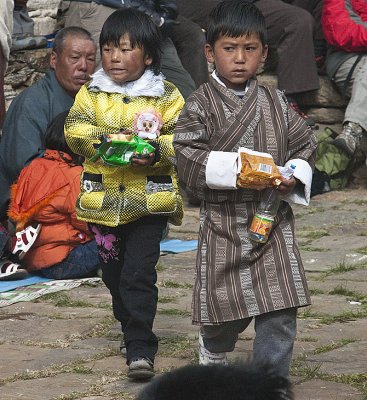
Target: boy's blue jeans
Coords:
[(273, 344), (129, 254), (80, 263)]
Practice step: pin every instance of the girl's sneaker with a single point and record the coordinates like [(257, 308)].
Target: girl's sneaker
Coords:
[(24, 240)]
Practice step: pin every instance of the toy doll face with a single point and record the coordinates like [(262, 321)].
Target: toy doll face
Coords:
[(236, 59), (148, 123), (124, 63)]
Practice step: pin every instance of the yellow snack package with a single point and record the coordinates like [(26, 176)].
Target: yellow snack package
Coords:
[(257, 171)]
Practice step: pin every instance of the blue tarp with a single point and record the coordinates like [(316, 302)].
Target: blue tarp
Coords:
[(5, 286), (178, 246)]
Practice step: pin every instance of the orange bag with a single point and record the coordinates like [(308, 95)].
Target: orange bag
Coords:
[(258, 170)]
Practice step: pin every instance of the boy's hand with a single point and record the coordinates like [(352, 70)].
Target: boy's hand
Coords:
[(287, 186), (142, 160)]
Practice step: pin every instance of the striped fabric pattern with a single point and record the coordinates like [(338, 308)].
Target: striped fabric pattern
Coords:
[(236, 278)]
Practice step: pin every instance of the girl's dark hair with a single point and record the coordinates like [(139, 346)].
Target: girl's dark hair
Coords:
[(235, 18), (141, 30), (55, 139)]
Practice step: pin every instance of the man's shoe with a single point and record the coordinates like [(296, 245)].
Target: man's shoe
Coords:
[(141, 369), (309, 121), (350, 138), (206, 357), (28, 42)]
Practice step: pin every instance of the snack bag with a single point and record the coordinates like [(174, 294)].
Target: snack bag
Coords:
[(257, 170), (118, 148)]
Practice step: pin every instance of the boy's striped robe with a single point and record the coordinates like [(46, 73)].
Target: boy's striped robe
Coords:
[(237, 278)]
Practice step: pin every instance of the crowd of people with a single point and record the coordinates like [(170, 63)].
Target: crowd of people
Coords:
[(68, 207)]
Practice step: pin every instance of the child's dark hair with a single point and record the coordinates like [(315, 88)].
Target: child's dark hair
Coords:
[(141, 30), (55, 139), (235, 18)]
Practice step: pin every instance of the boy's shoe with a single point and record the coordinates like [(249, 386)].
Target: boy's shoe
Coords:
[(141, 369), (24, 240), (206, 357), (309, 121), (350, 138)]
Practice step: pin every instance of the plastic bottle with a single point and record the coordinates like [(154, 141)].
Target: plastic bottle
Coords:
[(263, 220)]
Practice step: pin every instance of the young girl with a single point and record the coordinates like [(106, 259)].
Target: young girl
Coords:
[(129, 205), (45, 194)]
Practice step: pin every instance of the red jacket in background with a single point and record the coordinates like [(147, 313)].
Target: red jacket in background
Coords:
[(344, 24), (46, 193)]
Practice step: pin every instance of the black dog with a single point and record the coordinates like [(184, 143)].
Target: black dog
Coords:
[(248, 381)]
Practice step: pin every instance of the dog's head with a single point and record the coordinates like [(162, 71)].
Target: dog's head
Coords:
[(245, 381)]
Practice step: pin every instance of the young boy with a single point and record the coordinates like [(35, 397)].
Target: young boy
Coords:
[(128, 206), (237, 279)]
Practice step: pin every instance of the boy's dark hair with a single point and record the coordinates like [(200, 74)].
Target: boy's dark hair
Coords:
[(141, 30), (247, 381), (74, 31), (55, 139), (235, 18)]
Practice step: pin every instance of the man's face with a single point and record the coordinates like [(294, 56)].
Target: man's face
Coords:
[(75, 64), (236, 59)]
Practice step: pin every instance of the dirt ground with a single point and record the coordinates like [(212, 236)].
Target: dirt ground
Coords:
[(65, 346)]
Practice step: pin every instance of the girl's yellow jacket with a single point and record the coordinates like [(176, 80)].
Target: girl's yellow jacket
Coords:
[(112, 195)]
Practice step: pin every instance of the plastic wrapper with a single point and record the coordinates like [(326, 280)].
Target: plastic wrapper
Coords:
[(117, 149), (257, 170)]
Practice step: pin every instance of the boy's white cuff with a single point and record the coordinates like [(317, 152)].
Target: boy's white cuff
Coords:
[(221, 170), (302, 172)]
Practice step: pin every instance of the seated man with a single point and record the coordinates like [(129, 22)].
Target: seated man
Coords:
[(345, 29), (23, 29), (71, 63)]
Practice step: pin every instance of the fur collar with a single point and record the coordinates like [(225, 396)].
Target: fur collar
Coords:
[(147, 85)]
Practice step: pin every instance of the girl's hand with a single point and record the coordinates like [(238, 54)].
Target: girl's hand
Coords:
[(142, 161), (287, 186)]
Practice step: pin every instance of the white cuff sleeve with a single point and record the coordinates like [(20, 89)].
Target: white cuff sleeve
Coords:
[(303, 172), (221, 170)]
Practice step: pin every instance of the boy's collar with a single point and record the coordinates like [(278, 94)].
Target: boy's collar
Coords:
[(237, 92), (147, 85)]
